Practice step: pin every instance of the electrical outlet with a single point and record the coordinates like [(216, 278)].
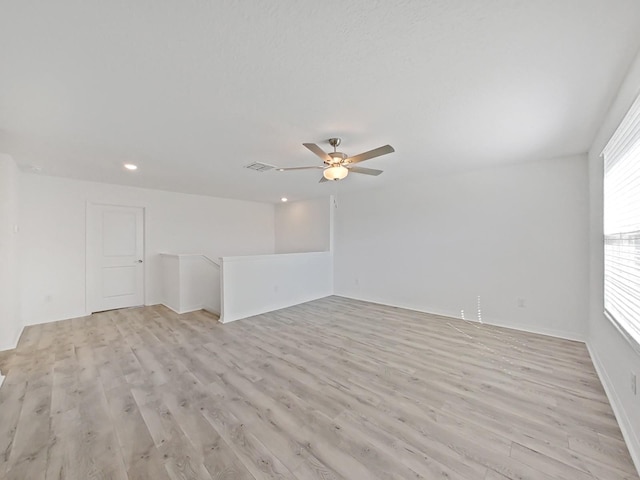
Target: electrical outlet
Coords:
[(633, 383)]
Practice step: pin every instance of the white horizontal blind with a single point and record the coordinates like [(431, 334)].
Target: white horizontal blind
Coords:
[(622, 224)]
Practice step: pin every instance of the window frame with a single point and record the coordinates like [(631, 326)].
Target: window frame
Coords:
[(622, 135)]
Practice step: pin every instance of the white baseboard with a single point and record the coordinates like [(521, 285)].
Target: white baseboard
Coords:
[(267, 309), (549, 332), (11, 346), (189, 310), (628, 432), (179, 312)]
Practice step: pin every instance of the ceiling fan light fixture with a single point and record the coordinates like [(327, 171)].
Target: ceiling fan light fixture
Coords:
[(335, 173), (335, 163)]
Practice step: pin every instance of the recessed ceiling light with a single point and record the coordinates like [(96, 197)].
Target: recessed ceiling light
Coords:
[(130, 166), (284, 199)]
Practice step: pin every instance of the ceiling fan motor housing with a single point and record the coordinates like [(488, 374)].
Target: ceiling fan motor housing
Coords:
[(336, 158)]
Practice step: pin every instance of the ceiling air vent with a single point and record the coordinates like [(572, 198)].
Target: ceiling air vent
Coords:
[(259, 167)]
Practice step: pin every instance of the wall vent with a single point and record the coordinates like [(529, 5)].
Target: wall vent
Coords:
[(259, 167)]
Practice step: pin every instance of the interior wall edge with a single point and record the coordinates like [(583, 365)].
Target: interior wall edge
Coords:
[(12, 345), (41, 321)]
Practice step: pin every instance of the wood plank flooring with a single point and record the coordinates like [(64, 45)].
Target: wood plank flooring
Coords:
[(331, 389)]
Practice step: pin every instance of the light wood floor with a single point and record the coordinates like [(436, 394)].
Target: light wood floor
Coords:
[(332, 389)]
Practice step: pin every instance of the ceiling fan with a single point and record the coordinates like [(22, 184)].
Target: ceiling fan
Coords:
[(337, 165)]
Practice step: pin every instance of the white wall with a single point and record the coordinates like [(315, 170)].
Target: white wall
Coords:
[(201, 284), (190, 282), (10, 322), (53, 237), (258, 284), (171, 282), (500, 234), (303, 226), (613, 355)]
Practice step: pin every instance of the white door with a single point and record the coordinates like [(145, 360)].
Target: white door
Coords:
[(115, 255)]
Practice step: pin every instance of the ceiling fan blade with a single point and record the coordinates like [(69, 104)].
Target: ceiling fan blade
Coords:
[(322, 180), (376, 152), (366, 171), (318, 151), (299, 168)]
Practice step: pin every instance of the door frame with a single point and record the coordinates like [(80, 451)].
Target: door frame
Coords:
[(88, 279)]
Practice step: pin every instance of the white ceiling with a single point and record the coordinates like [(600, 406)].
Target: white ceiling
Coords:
[(192, 91)]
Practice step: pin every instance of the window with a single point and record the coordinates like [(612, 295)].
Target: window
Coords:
[(622, 224)]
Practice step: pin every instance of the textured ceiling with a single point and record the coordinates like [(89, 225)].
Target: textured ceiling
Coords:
[(192, 91)]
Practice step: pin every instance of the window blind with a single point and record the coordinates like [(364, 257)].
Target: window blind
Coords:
[(622, 224)]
